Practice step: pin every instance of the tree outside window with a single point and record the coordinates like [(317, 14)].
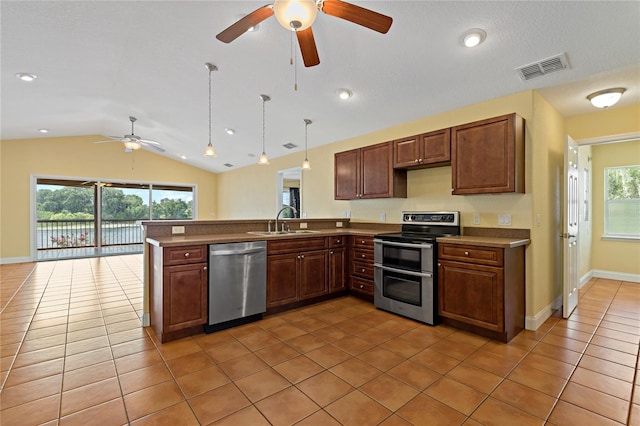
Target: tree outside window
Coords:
[(622, 202)]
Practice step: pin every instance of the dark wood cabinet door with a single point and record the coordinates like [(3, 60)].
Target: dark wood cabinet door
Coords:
[(406, 152), (184, 296), (377, 171), (313, 274), (436, 147), (472, 294), (337, 270), (347, 175), (488, 156), (282, 279)]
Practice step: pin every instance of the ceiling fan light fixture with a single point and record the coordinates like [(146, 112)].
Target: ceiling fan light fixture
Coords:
[(606, 98), (132, 144), (295, 15), (344, 94), (473, 37)]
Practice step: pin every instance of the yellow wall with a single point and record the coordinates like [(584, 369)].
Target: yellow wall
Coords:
[(612, 255), (76, 157), (606, 122)]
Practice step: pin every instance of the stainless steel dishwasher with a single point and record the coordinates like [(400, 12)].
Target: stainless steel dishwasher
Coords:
[(237, 283)]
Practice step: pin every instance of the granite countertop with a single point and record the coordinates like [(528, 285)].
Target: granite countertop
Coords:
[(184, 240), (503, 242)]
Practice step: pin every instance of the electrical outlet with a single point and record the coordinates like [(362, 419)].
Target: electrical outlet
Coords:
[(383, 217), (346, 214), (303, 225), (538, 220), (177, 229), (504, 219), (338, 224), (476, 218)]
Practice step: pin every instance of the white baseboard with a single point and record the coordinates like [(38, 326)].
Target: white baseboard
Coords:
[(612, 275), (7, 260), (146, 319), (585, 279), (533, 322)]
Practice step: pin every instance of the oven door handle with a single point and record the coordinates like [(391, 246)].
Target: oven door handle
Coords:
[(409, 245), (403, 271)]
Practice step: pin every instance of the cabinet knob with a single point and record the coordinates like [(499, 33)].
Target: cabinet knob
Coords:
[(420, 160), (415, 161), (466, 253), (364, 255), (186, 254), (205, 268), (362, 241), (361, 286), (302, 256), (338, 241), (331, 252), (363, 269)]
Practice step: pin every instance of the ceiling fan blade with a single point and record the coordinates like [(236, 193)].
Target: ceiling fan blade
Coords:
[(149, 142), (110, 140), (251, 20), (358, 15), (308, 47), (154, 147)]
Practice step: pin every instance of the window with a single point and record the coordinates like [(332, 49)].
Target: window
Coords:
[(622, 202)]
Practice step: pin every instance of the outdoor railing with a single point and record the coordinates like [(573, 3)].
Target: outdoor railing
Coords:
[(55, 234)]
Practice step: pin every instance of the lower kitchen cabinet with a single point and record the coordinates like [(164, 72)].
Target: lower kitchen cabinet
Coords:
[(297, 269), (179, 290), (481, 289), (337, 264), (361, 266)]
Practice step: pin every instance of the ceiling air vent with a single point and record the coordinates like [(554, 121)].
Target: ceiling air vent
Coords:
[(290, 145), (543, 67), (228, 165)]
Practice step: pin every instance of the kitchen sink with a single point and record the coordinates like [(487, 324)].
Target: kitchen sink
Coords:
[(279, 233)]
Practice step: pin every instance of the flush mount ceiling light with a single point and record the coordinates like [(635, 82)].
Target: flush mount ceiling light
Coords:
[(606, 98), (473, 37), (210, 151), (344, 94), (295, 15), (263, 160), (25, 76), (229, 131), (305, 164)]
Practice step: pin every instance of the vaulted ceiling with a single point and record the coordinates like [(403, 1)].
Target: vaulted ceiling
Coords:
[(98, 62)]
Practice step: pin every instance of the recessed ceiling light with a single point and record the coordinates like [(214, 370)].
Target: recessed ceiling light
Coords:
[(43, 130), (25, 76), (606, 98), (344, 93), (184, 157), (229, 131), (473, 37)]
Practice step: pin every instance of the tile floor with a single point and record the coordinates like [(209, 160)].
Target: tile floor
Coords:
[(73, 352)]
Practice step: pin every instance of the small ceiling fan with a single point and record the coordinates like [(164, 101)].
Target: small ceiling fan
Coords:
[(298, 15), (132, 142)]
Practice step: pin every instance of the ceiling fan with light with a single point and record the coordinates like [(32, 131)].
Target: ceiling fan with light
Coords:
[(298, 15), (132, 142)]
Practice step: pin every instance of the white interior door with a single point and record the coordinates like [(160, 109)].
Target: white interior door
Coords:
[(570, 229)]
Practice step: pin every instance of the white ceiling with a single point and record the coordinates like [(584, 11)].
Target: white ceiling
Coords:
[(100, 61)]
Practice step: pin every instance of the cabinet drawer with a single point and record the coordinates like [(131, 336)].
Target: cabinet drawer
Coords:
[(296, 245), (362, 286), (361, 269), (365, 242), (184, 255), (337, 241), (492, 256), (362, 255)]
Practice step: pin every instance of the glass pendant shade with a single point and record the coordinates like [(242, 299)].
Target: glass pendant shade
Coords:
[(295, 15), (210, 151), (306, 165), (263, 160)]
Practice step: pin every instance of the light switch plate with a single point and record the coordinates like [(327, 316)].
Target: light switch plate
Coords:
[(177, 229), (303, 225), (338, 224), (476, 218), (383, 217)]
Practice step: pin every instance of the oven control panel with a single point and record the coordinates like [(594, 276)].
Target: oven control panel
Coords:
[(431, 218)]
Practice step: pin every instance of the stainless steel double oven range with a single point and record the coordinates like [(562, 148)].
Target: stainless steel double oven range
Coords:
[(405, 265)]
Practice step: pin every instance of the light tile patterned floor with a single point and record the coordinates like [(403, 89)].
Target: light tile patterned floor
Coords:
[(73, 352)]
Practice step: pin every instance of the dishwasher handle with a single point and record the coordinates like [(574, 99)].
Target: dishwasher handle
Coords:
[(233, 252)]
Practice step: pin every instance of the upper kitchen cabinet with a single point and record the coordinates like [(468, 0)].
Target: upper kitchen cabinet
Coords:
[(422, 151), (487, 156), (368, 173)]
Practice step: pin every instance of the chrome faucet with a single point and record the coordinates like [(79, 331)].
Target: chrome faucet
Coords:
[(281, 210)]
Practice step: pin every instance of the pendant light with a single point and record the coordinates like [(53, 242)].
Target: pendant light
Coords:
[(210, 151), (305, 164), (264, 160)]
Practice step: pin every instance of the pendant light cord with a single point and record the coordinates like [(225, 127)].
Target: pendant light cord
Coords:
[(210, 69), (263, 125)]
